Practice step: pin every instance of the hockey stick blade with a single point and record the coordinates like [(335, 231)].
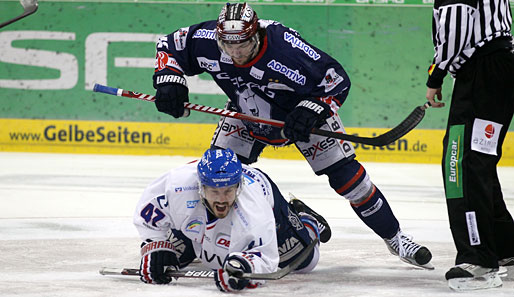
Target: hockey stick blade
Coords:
[(173, 273), (392, 135), (29, 7), (210, 273)]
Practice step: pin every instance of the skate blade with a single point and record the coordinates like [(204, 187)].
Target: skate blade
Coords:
[(487, 281), (503, 272), (427, 266)]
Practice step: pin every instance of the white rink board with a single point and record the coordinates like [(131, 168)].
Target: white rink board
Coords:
[(62, 217)]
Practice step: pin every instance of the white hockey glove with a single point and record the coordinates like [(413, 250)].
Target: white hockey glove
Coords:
[(236, 263), (156, 257)]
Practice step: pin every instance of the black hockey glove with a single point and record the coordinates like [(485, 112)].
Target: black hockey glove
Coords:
[(305, 116), (156, 257), (226, 279), (171, 93)]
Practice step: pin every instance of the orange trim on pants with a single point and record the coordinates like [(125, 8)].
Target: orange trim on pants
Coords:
[(352, 181)]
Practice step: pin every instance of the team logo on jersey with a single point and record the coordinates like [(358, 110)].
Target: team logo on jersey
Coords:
[(294, 220), (192, 203), (162, 42), (298, 43), (331, 80), (179, 37), (251, 103), (163, 60), (237, 131), (210, 65), (485, 136), (186, 188), (226, 59), (223, 241), (248, 179), (257, 73), (293, 75), (194, 225), (205, 34)]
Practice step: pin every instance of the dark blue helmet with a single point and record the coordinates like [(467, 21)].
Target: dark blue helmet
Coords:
[(219, 168)]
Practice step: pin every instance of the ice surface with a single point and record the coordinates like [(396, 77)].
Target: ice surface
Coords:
[(62, 217)]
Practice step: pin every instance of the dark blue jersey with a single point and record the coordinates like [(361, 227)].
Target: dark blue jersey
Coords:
[(285, 71)]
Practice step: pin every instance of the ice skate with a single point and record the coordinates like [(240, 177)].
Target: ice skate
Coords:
[(409, 252), (506, 262), (324, 228), (466, 277), (504, 266)]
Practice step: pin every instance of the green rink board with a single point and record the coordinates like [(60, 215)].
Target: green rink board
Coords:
[(384, 45)]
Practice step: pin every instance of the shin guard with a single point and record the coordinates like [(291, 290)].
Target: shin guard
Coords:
[(351, 181), (376, 214)]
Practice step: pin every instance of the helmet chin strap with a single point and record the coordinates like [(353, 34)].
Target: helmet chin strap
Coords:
[(256, 46), (205, 203)]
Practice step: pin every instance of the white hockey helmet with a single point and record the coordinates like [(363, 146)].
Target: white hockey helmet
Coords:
[(237, 23)]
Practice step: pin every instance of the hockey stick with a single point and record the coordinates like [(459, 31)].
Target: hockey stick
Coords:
[(390, 136), (173, 273), (29, 7), (210, 273)]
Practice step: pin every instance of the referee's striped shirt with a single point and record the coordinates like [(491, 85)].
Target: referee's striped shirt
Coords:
[(460, 27)]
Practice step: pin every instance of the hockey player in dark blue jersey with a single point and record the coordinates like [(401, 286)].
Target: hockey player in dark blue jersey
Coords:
[(269, 70)]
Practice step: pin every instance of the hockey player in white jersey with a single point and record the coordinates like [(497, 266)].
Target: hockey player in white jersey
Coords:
[(226, 214)]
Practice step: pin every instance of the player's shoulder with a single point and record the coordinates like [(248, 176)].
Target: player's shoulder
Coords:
[(182, 179), (204, 30), (276, 32), (257, 185), (287, 44), (253, 175), (200, 33), (184, 170)]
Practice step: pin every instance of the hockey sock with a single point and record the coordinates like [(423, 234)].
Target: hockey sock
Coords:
[(375, 212)]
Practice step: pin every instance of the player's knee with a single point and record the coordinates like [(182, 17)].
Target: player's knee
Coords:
[(351, 181), (311, 264)]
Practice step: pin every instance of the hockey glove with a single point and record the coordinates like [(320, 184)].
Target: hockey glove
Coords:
[(171, 93), (227, 279), (305, 116), (156, 257)]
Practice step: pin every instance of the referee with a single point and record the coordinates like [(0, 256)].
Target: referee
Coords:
[(473, 42)]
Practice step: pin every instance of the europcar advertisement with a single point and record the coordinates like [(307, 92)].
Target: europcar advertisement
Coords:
[(50, 61)]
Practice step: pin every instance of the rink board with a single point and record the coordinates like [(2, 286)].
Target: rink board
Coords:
[(50, 61), (144, 138)]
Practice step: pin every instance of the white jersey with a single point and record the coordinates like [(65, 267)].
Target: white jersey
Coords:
[(172, 202)]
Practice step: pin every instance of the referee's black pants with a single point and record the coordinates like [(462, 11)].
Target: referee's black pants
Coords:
[(480, 114)]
